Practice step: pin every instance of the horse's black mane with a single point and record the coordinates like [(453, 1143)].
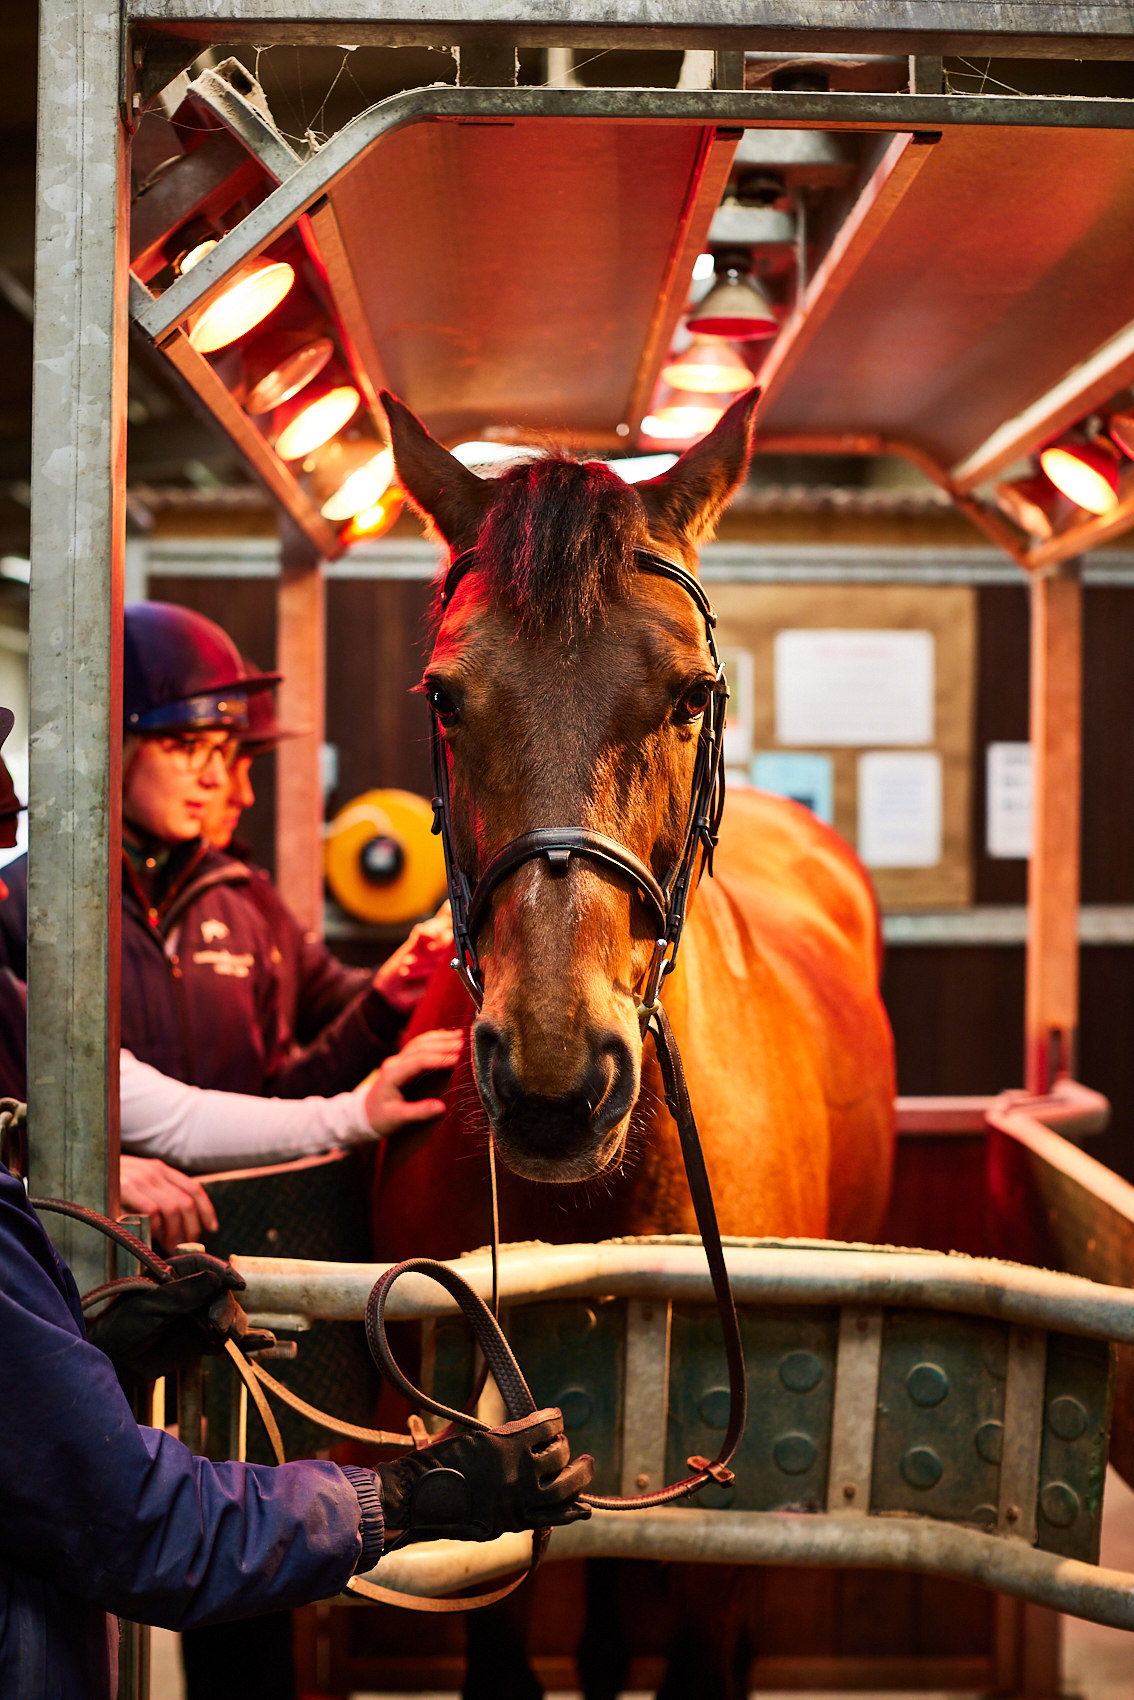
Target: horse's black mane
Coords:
[(557, 544)]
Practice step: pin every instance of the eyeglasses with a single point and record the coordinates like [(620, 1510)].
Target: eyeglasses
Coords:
[(193, 755)]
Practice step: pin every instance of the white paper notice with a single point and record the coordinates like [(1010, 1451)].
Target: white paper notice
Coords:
[(899, 809), (740, 674), (848, 687), (1008, 800)]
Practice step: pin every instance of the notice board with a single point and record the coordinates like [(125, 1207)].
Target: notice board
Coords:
[(751, 617)]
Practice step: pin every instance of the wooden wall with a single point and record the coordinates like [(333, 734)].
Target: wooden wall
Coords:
[(957, 1011)]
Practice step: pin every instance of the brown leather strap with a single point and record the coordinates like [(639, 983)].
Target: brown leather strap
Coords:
[(245, 1372), (372, 1436)]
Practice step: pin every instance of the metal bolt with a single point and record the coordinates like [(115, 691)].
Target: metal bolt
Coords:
[(642, 1481), (1012, 1514), (849, 1490)]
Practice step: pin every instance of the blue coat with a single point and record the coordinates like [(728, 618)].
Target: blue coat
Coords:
[(98, 1515)]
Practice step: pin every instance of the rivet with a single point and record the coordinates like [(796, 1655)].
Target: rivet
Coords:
[(1067, 1417), (1012, 1515), (849, 1490), (927, 1384), (642, 1481), (794, 1453), (921, 1467), (1059, 1504)]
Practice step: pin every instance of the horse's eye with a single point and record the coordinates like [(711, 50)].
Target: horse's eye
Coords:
[(441, 703), (694, 703)]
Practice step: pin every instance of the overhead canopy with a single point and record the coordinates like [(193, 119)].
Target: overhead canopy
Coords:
[(517, 260), (1007, 260), (515, 276)]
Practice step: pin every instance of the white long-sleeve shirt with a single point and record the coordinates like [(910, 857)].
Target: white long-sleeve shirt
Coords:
[(200, 1131)]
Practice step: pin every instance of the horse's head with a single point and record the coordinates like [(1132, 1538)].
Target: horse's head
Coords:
[(570, 688)]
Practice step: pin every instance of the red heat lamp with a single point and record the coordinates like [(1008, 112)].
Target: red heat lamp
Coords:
[(255, 291), (313, 416), (1034, 504), (1085, 471), (278, 364), (736, 308), (375, 521), (708, 366)]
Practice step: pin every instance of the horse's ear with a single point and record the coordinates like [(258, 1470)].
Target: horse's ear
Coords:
[(689, 498), (450, 495)]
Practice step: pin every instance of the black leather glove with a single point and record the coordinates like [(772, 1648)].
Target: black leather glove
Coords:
[(151, 1331), (473, 1487)]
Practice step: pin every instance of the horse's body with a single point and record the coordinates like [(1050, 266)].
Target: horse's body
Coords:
[(573, 691), (787, 1053)]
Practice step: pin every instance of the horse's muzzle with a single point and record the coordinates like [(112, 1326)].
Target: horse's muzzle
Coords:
[(566, 1136)]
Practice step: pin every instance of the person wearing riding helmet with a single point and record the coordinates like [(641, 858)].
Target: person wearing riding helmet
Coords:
[(202, 998), (315, 986)]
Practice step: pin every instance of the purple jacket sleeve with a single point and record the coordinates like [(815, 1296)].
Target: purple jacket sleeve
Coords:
[(125, 1517)]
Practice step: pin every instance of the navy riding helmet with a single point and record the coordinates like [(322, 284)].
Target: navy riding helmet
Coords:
[(182, 673)]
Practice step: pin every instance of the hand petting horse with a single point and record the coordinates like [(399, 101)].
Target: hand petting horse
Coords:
[(571, 687)]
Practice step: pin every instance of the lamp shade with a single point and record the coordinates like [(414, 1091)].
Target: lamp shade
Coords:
[(277, 365), (1034, 504), (312, 417), (736, 308), (1087, 473), (255, 291), (376, 520), (683, 415), (1121, 428), (711, 366), (362, 488)]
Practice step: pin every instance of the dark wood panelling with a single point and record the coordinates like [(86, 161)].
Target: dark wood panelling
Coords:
[(246, 608), (1108, 744), (376, 646), (958, 1016), (1001, 716)]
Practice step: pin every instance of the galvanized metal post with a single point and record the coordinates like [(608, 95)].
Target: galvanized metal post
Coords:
[(301, 658), (1051, 1017), (77, 549)]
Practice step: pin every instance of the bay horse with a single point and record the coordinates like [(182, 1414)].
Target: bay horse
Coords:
[(570, 688)]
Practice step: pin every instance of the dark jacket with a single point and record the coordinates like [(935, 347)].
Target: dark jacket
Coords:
[(315, 986), (14, 917), (203, 996), (98, 1515)]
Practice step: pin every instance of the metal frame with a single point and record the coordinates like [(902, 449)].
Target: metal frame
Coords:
[(90, 89)]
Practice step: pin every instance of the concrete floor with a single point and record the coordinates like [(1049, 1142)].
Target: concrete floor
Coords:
[(1098, 1664)]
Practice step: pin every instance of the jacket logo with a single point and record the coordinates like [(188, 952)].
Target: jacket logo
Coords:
[(223, 962), (213, 930)]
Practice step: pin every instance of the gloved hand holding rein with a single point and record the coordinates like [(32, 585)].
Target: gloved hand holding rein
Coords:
[(474, 1487), (149, 1329)]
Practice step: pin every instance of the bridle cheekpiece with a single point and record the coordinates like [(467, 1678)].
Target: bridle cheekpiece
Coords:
[(666, 899)]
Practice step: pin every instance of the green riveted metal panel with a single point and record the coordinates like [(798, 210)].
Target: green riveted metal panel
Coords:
[(940, 1429), (571, 1352), (447, 1356), (789, 1356), (1076, 1434)]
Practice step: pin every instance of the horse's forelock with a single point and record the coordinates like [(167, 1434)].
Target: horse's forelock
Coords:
[(557, 545)]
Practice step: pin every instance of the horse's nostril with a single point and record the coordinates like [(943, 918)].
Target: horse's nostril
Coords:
[(620, 1079), (501, 1077)]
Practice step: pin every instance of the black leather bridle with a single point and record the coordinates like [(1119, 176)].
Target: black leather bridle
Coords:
[(666, 900)]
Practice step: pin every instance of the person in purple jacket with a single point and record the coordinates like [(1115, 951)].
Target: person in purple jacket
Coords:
[(101, 1518), (203, 994)]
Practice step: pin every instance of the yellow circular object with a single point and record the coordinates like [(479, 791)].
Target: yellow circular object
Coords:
[(382, 862)]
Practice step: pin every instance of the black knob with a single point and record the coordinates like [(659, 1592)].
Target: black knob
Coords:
[(382, 859)]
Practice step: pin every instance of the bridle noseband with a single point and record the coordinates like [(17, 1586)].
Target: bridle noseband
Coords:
[(666, 900)]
